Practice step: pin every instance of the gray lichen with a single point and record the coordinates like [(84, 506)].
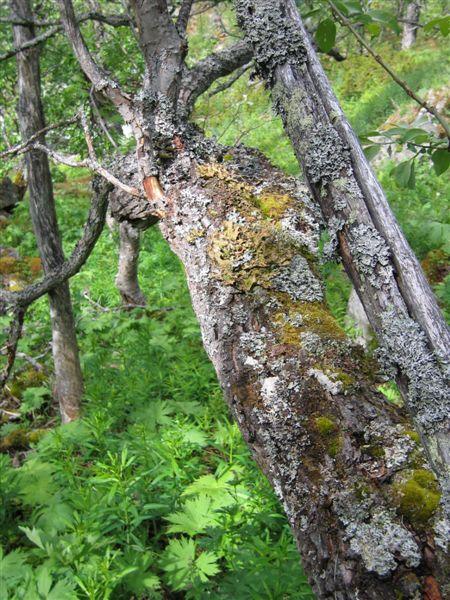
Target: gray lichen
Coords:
[(371, 254), (404, 345), (326, 155), (298, 281), (382, 543), (274, 37)]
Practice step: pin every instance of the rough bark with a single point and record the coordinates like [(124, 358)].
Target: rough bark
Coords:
[(68, 387), (384, 271), (410, 25), (127, 275), (342, 461)]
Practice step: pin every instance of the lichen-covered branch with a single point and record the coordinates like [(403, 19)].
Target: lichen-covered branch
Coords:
[(347, 467), (380, 271)]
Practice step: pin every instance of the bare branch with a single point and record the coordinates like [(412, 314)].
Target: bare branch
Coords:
[(198, 79), (19, 148), (57, 27), (183, 15), (34, 42), (70, 267), (15, 333), (224, 86)]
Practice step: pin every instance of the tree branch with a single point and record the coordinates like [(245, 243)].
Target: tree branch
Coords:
[(183, 15), (70, 267), (15, 333), (57, 27), (198, 79)]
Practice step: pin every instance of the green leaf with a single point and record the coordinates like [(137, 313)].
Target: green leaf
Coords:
[(195, 436), (44, 582), (371, 151), (183, 568), (441, 160), (178, 561), (443, 23), (34, 536), (197, 515), (206, 564), (326, 35), (404, 174)]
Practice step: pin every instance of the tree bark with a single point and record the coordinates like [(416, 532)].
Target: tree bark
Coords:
[(127, 275), (342, 461), (386, 274), (68, 388), (410, 25)]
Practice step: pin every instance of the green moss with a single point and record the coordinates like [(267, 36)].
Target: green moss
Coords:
[(374, 451), (335, 446), (318, 318), (413, 435), (418, 497), (325, 425)]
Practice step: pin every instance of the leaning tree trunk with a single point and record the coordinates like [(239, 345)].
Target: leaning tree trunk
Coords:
[(384, 271), (411, 25), (68, 378), (127, 275), (361, 499)]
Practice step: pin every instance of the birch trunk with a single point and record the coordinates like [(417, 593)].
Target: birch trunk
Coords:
[(345, 464), (411, 25), (387, 276), (68, 387)]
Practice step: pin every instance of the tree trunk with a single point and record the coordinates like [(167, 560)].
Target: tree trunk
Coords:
[(410, 25), (68, 387), (343, 462), (127, 275), (386, 274)]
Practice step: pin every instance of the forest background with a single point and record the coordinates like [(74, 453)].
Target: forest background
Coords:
[(153, 493)]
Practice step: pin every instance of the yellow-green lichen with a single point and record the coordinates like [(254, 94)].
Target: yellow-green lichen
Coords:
[(272, 204), (246, 254), (413, 435), (239, 188), (418, 497), (195, 234)]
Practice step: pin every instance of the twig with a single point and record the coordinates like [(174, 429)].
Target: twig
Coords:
[(430, 109), (20, 147), (15, 332), (100, 119), (227, 84)]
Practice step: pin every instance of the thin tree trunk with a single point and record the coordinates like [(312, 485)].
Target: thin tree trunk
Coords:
[(342, 461), (386, 274), (68, 386), (411, 25), (127, 275)]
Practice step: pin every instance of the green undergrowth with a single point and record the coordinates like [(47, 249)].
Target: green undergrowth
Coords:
[(153, 493)]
